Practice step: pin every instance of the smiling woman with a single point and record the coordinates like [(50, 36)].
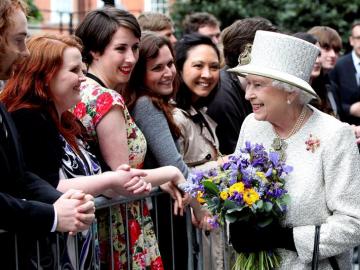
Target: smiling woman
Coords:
[(38, 95), (321, 149), (111, 40), (197, 61)]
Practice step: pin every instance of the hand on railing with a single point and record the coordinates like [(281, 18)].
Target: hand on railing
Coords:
[(75, 211), (175, 193), (200, 217)]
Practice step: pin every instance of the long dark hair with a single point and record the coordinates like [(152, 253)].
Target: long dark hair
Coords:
[(150, 45), (182, 47)]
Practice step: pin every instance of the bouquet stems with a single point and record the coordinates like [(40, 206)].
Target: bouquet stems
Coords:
[(263, 260)]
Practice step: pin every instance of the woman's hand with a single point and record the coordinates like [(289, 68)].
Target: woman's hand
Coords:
[(175, 193), (222, 159), (127, 181), (200, 218)]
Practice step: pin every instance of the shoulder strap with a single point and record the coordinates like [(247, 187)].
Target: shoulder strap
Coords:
[(96, 79), (315, 261), (315, 258), (199, 118)]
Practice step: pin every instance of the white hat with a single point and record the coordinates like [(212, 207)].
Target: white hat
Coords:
[(283, 58)]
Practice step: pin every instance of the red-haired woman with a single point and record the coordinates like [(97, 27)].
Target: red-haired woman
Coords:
[(44, 86)]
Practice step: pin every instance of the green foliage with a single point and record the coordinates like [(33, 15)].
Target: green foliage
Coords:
[(289, 16), (34, 13)]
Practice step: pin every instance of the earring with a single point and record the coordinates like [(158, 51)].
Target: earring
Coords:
[(288, 102)]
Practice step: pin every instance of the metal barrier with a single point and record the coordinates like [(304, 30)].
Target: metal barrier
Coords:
[(195, 258), (194, 255)]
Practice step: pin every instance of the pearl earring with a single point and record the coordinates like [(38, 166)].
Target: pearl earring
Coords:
[(288, 101)]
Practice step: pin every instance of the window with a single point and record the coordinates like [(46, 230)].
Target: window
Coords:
[(161, 6), (60, 11)]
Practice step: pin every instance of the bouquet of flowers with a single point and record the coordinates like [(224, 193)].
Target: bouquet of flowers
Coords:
[(249, 187)]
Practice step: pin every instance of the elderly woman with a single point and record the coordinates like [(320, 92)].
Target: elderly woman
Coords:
[(324, 184)]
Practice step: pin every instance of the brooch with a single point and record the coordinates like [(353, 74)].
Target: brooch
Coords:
[(312, 143)]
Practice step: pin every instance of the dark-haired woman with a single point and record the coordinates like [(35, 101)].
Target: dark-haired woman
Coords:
[(198, 63), (148, 96), (111, 40)]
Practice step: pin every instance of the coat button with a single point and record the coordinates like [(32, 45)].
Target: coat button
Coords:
[(208, 156)]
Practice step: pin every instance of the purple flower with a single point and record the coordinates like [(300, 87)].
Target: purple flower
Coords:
[(274, 158), (287, 169), (214, 222)]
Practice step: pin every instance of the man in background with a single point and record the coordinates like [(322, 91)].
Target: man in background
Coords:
[(203, 23), (345, 78), (229, 107), (158, 23)]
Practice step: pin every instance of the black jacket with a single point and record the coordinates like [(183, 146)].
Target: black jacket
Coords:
[(229, 109), (36, 214), (343, 79)]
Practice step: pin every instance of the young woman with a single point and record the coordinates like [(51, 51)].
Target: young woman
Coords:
[(151, 87), (198, 63), (44, 86), (111, 40)]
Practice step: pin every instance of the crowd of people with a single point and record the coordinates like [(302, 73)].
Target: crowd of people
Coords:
[(124, 106)]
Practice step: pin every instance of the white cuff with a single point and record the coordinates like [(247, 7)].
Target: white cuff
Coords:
[(55, 221)]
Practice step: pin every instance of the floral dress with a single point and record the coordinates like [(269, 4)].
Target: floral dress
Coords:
[(96, 102)]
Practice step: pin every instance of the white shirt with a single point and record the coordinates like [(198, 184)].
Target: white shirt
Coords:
[(356, 61)]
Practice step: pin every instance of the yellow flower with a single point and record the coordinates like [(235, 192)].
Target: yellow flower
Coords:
[(261, 175), (224, 195), (250, 196), (239, 187), (200, 198)]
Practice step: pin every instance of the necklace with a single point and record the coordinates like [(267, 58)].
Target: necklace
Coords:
[(279, 144)]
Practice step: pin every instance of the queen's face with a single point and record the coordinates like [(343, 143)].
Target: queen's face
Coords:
[(160, 72), (268, 102), (65, 86), (201, 72), (117, 62)]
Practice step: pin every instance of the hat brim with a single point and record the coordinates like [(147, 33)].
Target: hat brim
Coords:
[(276, 75)]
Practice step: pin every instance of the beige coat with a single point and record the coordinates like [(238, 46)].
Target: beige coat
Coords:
[(201, 150), (196, 143)]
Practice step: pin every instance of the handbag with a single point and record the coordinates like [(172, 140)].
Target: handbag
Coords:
[(315, 259)]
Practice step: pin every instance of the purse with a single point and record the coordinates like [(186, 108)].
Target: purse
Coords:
[(315, 259)]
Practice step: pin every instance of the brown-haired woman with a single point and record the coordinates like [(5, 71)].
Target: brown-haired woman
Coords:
[(111, 40)]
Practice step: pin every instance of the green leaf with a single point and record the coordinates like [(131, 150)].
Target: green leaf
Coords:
[(211, 188), (259, 204), (268, 206), (230, 205)]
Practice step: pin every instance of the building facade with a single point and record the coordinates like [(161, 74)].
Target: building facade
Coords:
[(63, 16)]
